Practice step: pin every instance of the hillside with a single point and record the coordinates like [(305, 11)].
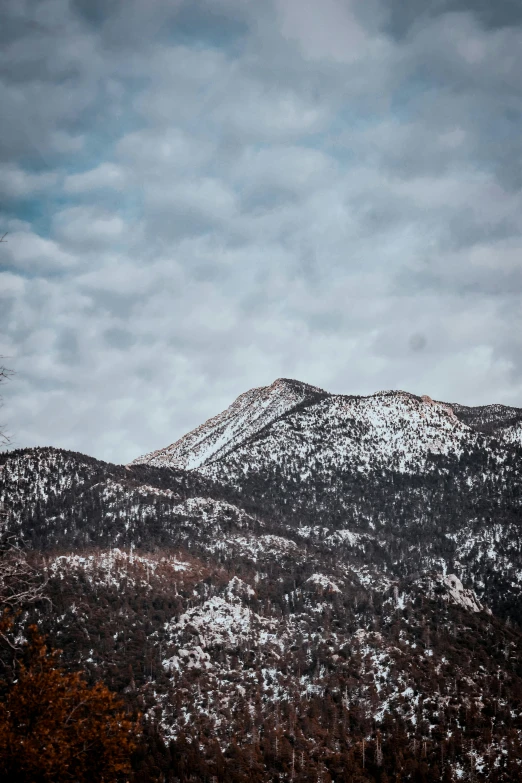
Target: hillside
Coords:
[(307, 587), (252, 411)]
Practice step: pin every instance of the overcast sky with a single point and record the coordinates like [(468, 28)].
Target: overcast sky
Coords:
[(204, 196)]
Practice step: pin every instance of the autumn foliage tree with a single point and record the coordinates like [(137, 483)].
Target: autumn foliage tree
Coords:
[(55, 728)]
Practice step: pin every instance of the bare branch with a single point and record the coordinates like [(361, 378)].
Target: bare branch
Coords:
[(20, 583), (5, 374)]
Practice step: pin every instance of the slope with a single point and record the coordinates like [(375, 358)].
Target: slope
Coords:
[(252, 411)]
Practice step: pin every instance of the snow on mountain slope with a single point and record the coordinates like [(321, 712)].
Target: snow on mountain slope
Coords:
[(208, 512), (117, 567), (389, 429), (222, 622), (449, 588), (252, 411), (351, 580), (220, 658), (512, 434)]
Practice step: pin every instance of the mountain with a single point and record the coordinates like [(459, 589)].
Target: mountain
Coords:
[(252, 411), (424, 482), (491, 419), (307, 587), (382, 426)]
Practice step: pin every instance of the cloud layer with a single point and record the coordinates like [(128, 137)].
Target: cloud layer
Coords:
[(204, 196)]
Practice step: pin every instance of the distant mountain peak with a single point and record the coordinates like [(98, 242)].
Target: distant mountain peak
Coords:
[(397, 422), (248, 414), (292, 383)]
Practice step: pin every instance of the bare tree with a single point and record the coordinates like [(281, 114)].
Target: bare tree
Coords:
[(20, 583), (5, 374), (4, 440)]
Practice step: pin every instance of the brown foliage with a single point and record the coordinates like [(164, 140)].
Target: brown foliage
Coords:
[(55, 728)]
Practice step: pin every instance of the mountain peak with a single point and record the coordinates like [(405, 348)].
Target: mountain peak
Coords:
[(295, 385), (396, 420), (248, 414)]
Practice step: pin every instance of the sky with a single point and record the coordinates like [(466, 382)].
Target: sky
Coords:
[(202, 196)]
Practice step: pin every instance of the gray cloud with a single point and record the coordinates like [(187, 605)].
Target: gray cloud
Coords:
[(201, 197), (403, 16)]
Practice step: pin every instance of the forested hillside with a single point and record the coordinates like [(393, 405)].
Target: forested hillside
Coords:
[(333, 593)]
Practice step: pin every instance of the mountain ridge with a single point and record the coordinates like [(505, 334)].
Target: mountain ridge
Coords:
[(211, 441)]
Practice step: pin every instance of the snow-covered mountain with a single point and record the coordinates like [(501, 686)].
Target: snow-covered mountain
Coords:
[(367, 469), (252, 411), (391, 428), (307, 587)]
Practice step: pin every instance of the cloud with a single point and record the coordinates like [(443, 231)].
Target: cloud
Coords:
[(202, 197), (86, 228), (15, 183), (106, 175), (403, 16), (29, 254), (329, 30)]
